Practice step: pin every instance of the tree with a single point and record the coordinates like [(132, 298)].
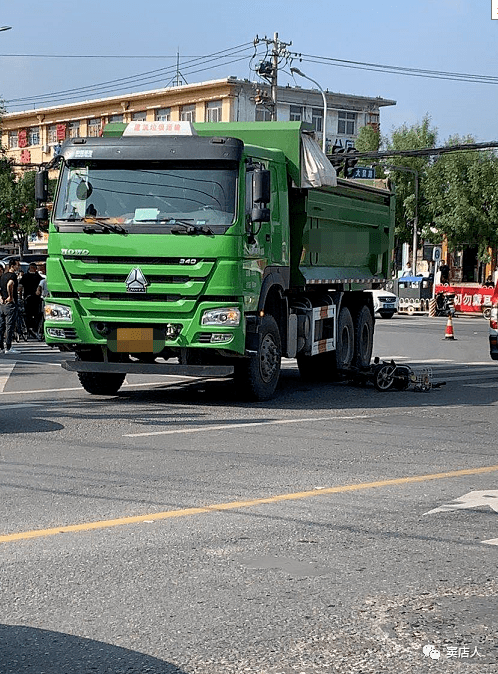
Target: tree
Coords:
[(17, 201), (17, 205), (368, 139), (415, 137), (462, 192)]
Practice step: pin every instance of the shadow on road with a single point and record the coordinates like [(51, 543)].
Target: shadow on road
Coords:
[(194, 401), (30, 650)]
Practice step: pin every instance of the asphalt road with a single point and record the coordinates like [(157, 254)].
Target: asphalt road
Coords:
[(172, 528)]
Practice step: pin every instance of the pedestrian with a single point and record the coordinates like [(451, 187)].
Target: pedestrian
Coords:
[(8, 306), (445, 273), (32, 301), (407, 270)]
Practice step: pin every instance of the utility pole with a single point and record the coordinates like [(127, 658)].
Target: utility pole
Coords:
[(268, 70)]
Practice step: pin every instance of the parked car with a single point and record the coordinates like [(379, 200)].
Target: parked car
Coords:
[(25, 262), (385, 302)]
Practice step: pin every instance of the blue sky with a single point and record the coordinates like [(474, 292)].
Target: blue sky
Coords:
[(443, 35)]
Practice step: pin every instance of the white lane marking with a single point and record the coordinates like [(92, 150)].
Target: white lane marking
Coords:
[(492, 541), (490, 385), (227, 427), (76, 388), (474, 499), (36, 362), (464, 377), (5, 372)]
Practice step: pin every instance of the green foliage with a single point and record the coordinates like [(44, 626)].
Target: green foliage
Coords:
[(462, 193), (368, 139), (415, 137), (17, 204)]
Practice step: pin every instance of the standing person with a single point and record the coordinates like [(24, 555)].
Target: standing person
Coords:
[(8, 306), (445, 273), (42, 291), (407, 271), (32, 302)]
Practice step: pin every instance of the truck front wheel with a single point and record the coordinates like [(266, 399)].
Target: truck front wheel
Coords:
[(101, 383), (257, 377)]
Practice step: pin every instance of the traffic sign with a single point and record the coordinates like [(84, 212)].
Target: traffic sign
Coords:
[(436, 253), (365, 172)]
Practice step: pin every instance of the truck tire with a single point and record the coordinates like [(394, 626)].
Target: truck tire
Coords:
[(363, 338), (344, 349), (257, 376), (101, 383)]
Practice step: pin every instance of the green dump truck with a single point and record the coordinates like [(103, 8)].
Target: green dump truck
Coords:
[(211, 250)]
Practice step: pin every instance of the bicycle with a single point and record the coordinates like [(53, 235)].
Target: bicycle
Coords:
[(20, 328)]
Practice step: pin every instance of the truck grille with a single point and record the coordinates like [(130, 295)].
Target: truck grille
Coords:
[(172, 284)]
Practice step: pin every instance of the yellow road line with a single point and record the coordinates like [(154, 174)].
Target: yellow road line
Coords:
[(233, 505)]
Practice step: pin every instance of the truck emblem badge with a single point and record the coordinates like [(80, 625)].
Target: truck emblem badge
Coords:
[(136, 282)]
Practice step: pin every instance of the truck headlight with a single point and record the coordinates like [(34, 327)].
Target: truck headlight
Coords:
[(222, 316), (57, 312)]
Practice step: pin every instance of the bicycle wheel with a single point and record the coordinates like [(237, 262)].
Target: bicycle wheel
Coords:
[(21, 329)]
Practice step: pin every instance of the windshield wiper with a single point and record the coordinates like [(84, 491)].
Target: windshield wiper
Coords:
[(189, 228), (106, 228)]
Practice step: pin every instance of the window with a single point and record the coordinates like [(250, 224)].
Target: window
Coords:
[(347, 123), (13, 139), (373, 119), (296, 113), (317, 119), (262, 114), (34, 135), (139, 116), (74, 129), (116, 118), (94, 127), (187, 113), (162, 115), (213, 111), (52, 134)]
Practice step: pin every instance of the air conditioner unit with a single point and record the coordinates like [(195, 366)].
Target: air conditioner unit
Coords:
[(46, 148)]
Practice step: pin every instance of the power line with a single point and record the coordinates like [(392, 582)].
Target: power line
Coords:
[(150, 77), (95, 56), (428, 151), (398, 70)]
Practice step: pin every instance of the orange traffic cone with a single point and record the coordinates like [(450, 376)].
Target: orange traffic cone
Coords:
[(449, 334)]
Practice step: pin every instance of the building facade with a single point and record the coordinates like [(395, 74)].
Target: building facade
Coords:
[(34, 136)]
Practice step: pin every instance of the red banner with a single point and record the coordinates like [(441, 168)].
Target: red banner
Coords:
[(25, 157), (22, 138), (61, 132), (469, 298)]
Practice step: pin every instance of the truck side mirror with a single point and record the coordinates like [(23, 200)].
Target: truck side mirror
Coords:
[(41, 216), (260, 215), (41, 186), (261, 186)]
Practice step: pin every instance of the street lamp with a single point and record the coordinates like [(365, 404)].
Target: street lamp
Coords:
[(301, 74), (5, 28), (392, 167)]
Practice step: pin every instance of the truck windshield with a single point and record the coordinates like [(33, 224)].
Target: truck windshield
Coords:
[(147, 198)]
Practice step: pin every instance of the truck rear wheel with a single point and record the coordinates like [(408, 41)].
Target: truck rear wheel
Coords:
[(257, 377), (344, 349), (101, 383), (363, 342)]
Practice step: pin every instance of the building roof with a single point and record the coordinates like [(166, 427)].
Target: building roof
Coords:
[(66, 109)]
